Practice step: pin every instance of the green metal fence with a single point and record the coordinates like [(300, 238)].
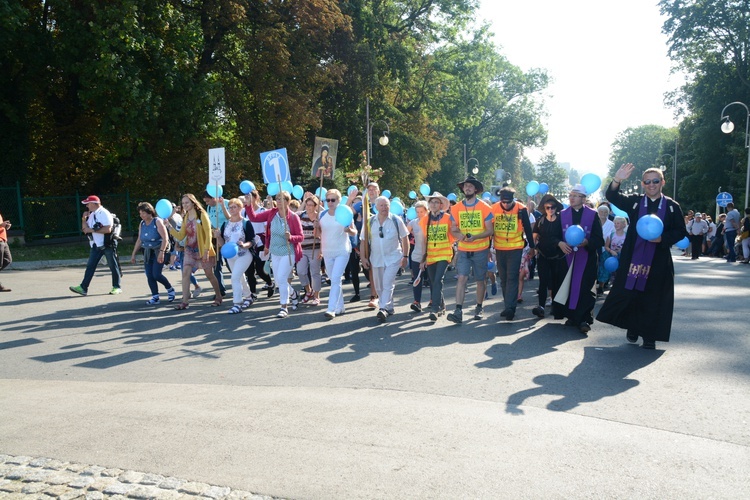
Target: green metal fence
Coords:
[(51, 217)]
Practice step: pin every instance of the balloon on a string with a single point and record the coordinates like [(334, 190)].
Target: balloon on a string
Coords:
[(486, 195), (683, 243), (321, 193), (611, 264), (397, 208), (618, 212), (411, 214), (343, 215), (413, 195), (386, 193), (247, 187), (649, 227), (273, 189), (344, 199), (351, 189), (298, 192), (574, 235), (543, 188), (591, 182), (229, 250), (424, 189), (163, 208), (452, 197), (287, 186), (532, 188), (491, 266), (214, 190)]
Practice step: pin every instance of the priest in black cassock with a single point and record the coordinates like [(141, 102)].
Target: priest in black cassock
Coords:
[(642, 297)]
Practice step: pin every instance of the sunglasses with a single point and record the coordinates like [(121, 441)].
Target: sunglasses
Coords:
[(380, 230), (652, 181), (331, 200), (549, 207)]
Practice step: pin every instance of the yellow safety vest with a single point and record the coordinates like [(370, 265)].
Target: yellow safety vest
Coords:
[(508, 227), (438, 238), (471, 221)]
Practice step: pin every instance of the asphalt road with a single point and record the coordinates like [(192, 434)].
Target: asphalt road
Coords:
[(308, 408)]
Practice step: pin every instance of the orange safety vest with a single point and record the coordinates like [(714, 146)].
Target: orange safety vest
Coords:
[(508, 227), (471, 221), (438, 238)]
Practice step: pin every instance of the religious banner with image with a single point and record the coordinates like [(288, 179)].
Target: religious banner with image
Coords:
[(324, 154)]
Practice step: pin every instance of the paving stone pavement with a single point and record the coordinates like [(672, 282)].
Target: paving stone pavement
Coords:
[(45, 478)]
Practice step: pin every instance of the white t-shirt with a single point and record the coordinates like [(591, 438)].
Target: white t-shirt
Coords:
[(103, 217), (419, 238), (333, 238), (732, 222), (387, 250)]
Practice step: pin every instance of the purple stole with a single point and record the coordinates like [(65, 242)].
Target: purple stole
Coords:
[(577, 259), (643, 253)]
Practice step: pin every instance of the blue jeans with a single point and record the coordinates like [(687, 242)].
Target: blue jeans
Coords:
[(154, 273), (730, 237), (94, 258)]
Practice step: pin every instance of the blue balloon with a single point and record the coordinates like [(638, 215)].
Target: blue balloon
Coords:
[(411, 214), (683, 243), (452, 197), (591, 182), (386, 193), (491, 265), (574, 235), (287, 186), (397, 208), (413, 195), (214, 191), (543, 188), (618, 212), (298, 192), (344, 199), (486, 195), (229, 250), (321, 193), (494, 199), (246, 187), (424, 189), (611, 264), (344, 215), (273, 189), (532, 188), (163, 208), (351, 189), (649, 227)]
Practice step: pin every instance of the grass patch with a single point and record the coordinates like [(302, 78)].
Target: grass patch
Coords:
[(62, 251)]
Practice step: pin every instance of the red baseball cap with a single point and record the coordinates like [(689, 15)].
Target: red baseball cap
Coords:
[(92, 199)]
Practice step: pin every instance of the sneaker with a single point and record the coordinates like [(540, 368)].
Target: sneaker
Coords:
[(196, 293), (494, 289), (355, 298), (548, 303), (171, 295), (382, 315), (79, 290), (456, 316), (270, 290), (433, 317), (538, 311), (153, 301), (330, 314), (478, 313), (416, 307), (373, 303), (267, 286), (115, 291)]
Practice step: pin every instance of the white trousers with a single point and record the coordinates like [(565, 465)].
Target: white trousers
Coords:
[(282, 270), (335, 266), (385, 284), (238, 266)]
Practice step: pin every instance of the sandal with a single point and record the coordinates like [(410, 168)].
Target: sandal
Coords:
[(182, 306), (235, 309), (247, 303), (283, 313), (216, 303), (307, 298)]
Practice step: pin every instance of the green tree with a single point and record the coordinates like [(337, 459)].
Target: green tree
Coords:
[(549, 171), (640, 146)]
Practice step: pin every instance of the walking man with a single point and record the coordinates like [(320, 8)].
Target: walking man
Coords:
[(5, 257)]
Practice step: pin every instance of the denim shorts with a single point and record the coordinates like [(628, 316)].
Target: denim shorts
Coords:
[(468, 260)]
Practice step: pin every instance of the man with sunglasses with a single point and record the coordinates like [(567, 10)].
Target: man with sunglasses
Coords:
[(582, 263), (511, 223), (642, 297)]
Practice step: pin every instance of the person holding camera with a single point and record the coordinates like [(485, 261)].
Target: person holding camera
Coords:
[(97, 223), (5, 257)]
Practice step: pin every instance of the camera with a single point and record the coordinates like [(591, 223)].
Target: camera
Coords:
[(97, 226), (468, 235)]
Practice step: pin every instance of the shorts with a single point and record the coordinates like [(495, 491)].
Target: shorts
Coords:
[(476, 260)]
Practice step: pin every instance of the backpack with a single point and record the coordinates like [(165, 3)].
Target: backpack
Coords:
[(395, 223), (112, 238)]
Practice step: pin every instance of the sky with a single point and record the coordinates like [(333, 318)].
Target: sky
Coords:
[(609, 66)]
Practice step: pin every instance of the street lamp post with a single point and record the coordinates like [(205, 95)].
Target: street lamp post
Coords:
[(727, 127), (383, 139), (474, 170), (674, 169)]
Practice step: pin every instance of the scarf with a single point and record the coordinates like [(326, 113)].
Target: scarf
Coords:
[(643, 253), (577, 259)]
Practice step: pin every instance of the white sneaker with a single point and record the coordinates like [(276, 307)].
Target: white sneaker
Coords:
[(197, 292), (549, 302), (330, 315)]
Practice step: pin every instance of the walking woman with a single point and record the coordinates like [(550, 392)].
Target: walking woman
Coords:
[(153, 238), (417, 252), (283, 241), (239, 231), (438, 249), (336, 247), (199, 252), (308, 268), (550, 258)]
